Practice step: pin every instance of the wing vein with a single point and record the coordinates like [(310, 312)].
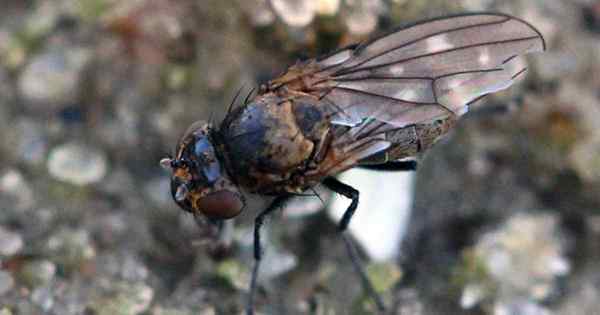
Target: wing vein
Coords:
[(483, 44), (381, 96), (456, 29)]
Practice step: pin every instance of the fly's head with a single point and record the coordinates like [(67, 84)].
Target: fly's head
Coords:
[(199, 183)]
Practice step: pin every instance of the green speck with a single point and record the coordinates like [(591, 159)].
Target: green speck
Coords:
[(383, 275), (91, 10), (234, 273)]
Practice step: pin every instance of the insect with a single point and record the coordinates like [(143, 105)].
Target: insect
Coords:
[(372, 105)]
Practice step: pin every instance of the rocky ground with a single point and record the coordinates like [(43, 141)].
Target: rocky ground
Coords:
[(93, 93)]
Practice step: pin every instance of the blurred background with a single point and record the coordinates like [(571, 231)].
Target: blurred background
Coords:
[(502, 217)]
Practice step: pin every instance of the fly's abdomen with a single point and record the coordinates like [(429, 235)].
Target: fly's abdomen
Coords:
[(411, 140)]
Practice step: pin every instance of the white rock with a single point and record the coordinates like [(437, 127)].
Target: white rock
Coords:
[(296, 13), (77, 164), (10, 243)]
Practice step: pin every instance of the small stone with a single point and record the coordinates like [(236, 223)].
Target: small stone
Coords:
[(33, 144), (259, 12), (520, 307), (10, 243), (127, 299), (6, 282), (328, 7), (585, 159), (127, 267), (77, 164), (43, 298), (472, 295), (16, 189), (133, 269), (362, 17), (53, 78), (516, 265), (70, 247), (296, 13), (37, 273), (410, 302)]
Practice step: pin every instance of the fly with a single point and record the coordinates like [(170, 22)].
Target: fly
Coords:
[(371, 105)]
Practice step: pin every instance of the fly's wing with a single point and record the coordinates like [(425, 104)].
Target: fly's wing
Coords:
[(421, 73), (425, 71)]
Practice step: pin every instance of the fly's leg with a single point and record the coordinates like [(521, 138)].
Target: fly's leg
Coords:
[(351, 193), (393, 166), (258, 223)]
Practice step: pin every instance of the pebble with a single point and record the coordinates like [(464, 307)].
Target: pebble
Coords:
[(70, 247), (126, 299), (77, 164), (259, 12), (6, 282), (16, 189), (296, 13), (11, 243), (33, 144), (585, 160), (520, 307), (523, 259), (362, 17), (328, 7), (43, 298), (126, 267), (52, 79), (37, 273)]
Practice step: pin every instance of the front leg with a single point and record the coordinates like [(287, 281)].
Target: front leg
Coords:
[(351, 193), (258, 223)]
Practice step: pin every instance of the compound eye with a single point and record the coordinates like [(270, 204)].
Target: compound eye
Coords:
[(220, 205), (212, 172), (211, 169), (202, 147)]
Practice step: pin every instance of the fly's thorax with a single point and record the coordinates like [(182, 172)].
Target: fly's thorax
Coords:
[(199, 182), (271, 139)]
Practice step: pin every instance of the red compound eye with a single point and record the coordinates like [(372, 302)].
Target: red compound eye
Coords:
[(220, 205)]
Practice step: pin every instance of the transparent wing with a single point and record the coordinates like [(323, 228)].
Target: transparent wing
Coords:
[(425, 71)]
